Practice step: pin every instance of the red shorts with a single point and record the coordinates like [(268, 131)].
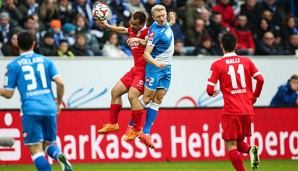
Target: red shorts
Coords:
[(134, 78), (236, 127)]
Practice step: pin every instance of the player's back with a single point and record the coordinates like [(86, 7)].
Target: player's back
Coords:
[(235, 75), (32, 73)]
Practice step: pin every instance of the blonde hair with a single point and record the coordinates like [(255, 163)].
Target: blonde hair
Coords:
[(157, 8)]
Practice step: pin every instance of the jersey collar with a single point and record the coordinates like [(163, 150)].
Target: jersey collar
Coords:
[(230, 54), (27, 53)]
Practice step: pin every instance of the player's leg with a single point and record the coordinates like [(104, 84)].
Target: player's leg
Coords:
[(135, 91), (153, 108), (237, 162), (244, 147), (116, 105), (38, 157), (50, 146), (151, 115), (231, 133), (161, 84), (32, 134), (134, 126)]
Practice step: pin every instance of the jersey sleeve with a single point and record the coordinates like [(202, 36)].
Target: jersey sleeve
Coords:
[(128, 30), (10, 80), (213, 75), (253, 69), (53, 70), (153, 37)]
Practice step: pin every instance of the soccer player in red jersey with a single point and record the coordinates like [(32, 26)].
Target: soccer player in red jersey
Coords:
[(133, 81), (235, 75)]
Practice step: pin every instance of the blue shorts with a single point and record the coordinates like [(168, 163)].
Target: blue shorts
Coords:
[(39, 128), (158, 77)]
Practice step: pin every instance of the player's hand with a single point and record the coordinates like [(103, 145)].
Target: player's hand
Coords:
[(58, 109), (103, 23), (254, 100), (161, 65), (172, 18), (215, 93), (131, 41)]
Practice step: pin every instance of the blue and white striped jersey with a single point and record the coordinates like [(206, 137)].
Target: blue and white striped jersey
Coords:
[(162, 38)]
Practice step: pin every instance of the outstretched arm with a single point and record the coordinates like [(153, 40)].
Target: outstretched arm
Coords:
[(120, 30)]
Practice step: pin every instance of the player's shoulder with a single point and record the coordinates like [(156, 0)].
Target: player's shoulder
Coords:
[(219, 61)]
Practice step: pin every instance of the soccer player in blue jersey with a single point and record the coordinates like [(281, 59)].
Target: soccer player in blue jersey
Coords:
[(158, 54), (32, 74)]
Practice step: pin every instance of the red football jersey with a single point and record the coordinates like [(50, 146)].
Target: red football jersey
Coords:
[(235, 75), (138, 49)]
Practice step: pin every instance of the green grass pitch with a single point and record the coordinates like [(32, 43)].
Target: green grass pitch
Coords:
[(265, 165)]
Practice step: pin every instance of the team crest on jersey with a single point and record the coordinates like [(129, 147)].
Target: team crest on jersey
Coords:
[(147, 80), (6, 70), (140, 83)]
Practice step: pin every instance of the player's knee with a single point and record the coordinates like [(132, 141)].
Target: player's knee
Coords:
[(158, 99), (132, 96), (146, 100), (115, 93)]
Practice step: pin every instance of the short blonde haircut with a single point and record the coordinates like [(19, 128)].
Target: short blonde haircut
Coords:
[(157, 8)]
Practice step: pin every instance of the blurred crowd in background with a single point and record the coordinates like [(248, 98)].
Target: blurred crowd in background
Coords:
[(66, 28)]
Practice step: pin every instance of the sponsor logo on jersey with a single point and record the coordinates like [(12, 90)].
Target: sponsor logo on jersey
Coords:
[(151, 35)]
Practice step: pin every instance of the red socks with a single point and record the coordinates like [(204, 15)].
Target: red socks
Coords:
[(136, 116), (114, 113), (236, 160), (243, 147)]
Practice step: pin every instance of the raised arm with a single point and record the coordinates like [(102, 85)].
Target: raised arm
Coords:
[(172, 18), (120, 30)]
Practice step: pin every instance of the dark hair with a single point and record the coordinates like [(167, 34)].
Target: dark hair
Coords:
[(63, 41), (229, 42), (30, 17), (214, 13), (25, 40), (139, 15), (294, 77)]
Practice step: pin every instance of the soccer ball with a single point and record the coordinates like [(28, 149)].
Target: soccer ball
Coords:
[(100, 12)]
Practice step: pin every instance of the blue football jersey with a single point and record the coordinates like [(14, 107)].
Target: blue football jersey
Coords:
[(162, 38), (32, 74)]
